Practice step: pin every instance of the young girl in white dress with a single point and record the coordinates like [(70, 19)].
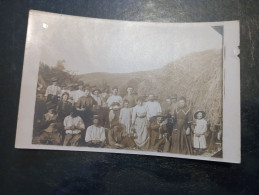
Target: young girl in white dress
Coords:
[(199, 139)]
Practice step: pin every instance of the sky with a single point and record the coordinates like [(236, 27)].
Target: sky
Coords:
[(96, 45)]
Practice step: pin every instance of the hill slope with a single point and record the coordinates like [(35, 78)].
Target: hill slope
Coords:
[(197, 76)]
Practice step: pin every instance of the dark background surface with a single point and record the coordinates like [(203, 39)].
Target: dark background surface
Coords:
[(61, 172)]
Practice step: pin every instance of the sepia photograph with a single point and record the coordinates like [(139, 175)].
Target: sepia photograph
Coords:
[(129, 87)]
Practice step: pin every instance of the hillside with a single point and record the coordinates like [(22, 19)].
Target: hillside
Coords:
[(197, 76)]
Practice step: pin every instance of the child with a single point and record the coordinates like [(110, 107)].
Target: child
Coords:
[(125, 116), (199, 140)]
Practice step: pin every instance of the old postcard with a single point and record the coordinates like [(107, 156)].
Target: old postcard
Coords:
[(162, 89)]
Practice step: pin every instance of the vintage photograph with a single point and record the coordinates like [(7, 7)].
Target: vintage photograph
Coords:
[(128, 86)]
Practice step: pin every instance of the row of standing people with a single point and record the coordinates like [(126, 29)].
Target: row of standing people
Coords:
[(142, 123)]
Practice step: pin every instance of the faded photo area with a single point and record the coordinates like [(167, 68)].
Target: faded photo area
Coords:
[(131, 86)]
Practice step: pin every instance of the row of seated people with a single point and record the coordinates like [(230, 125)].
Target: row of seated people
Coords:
[(71, 132)]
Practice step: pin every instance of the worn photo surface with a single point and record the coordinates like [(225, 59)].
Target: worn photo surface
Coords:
[(126, 87)]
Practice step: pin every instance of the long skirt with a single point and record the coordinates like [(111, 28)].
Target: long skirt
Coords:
[(181, 143), (142, 140)]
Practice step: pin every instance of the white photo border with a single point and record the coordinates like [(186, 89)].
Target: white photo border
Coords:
[(231, 92)]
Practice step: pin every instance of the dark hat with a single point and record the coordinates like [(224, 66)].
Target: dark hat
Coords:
[(196, 113), (96, 89), (174, 96), (116, 125), (159, 115), (54, 79)]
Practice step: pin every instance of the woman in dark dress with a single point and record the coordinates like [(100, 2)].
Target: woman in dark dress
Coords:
[(181, 134), (64, 107)]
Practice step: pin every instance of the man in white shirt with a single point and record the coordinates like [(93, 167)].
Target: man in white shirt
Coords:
[(153, 107), (114, 97), (95, 134), (73, 125), (54, 89), (78, 93)]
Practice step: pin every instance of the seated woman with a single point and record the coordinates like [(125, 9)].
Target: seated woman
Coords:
[(95, 134), (119, 138), (64, 107)]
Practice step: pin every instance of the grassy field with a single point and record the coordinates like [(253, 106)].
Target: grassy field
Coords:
[(197, 76)]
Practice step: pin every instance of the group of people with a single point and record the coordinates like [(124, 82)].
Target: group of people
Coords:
[(90, 117)]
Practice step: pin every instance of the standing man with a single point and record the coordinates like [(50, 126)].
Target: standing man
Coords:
[(85, 108), (78, 93), (53, 92), (114, 97), (73, 125), (54, 89), (130, 97), (181, 138), (153, 107)]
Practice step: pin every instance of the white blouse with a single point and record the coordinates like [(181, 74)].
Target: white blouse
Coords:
[(138, 111)]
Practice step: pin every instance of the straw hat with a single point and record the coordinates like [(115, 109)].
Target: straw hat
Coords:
[(201, 111)]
